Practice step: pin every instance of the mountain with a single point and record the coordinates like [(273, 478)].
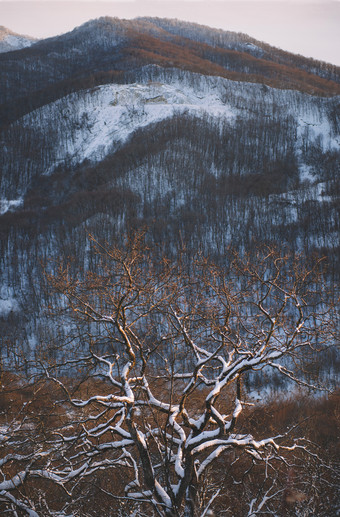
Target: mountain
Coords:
[(219, 150), (10, 41), (108, 49), (210, 139)]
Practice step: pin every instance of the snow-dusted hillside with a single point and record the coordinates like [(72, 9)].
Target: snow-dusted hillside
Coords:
[(91, 124), (96, 122), (199, 159)]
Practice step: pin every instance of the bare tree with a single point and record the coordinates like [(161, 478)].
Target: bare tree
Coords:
[(155, 360), (24, 450)]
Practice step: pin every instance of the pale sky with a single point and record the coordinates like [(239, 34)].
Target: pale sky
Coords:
[(310, 28)]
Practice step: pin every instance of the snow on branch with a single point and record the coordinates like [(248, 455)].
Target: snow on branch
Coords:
[(167, 349)]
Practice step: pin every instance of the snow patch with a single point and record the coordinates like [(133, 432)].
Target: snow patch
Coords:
[(314, 126), (306, 173), (7, 306), (9, 204)]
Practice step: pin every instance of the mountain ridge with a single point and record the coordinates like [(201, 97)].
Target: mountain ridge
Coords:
[(60, 65)]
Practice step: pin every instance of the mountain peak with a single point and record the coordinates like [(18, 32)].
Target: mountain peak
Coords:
[(103, 22), (10, 40)]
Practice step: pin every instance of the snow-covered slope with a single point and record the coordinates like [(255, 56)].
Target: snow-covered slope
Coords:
[(101, 119), (11, 41), (89, 125)]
